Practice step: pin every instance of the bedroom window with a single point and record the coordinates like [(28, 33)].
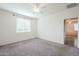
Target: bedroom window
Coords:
[(23, 25)]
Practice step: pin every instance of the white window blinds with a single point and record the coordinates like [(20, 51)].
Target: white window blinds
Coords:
[(23, 25)]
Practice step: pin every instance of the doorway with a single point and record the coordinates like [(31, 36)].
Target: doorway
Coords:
[(71, 31)]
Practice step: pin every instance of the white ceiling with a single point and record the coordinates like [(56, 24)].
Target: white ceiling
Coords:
[(26, 8)]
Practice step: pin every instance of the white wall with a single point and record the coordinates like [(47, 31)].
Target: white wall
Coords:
[(51, 27), (8, 29)]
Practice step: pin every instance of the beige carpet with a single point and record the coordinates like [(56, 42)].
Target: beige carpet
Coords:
[(37, 47)]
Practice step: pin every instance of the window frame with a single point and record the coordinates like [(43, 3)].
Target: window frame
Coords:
[(22, 31)]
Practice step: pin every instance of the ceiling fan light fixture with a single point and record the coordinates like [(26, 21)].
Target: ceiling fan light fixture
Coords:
[(36, 8)]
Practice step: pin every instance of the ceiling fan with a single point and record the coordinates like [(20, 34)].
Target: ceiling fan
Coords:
[(38, 7)]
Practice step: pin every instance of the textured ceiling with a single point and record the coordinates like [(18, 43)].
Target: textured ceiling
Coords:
[(26, 8)]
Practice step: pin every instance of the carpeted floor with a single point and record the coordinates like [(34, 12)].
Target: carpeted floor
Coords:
[(37, 47)]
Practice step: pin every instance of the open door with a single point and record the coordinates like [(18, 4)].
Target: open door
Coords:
[(71, 31)]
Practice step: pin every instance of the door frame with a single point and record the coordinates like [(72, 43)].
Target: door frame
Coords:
[(64, 28)]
